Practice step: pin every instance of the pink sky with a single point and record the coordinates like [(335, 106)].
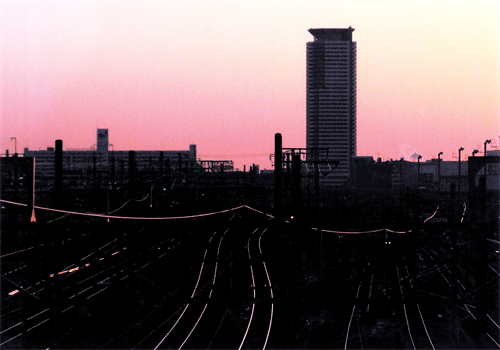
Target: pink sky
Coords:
[(228, 75)]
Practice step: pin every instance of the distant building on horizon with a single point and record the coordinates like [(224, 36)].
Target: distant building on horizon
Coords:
[(331, 100), (80, 165), (392, 175)]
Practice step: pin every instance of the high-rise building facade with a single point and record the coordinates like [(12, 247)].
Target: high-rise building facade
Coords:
[(331, 101)]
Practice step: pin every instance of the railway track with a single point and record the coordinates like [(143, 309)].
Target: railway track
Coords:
[(235, 280)]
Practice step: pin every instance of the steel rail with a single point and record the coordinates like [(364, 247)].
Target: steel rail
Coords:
[(253, 289), (354, 307), (419, 311), (270, 290), (404, 308)]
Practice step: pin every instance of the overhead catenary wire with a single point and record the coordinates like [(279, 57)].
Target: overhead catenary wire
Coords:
[(126, 217), (359, 232), (196, 216)]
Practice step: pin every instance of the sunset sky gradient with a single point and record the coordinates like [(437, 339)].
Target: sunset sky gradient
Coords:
[(228, 75)]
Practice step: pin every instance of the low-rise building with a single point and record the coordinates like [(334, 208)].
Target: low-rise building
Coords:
[(99, 164), (434, 175)]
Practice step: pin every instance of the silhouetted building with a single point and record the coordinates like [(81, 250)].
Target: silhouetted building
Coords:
[(17, 181), (485, 171), (484, 185), (331, 100), (367, 174), (101, 165)]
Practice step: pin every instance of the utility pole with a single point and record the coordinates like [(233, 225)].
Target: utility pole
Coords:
[(418, 171), (439, 170), (58, 172), (296, 179), (278, 175), (131, 170), (15, 146), (485, 161), (31, 190), (485, 143), (401, 182), (460, 170)]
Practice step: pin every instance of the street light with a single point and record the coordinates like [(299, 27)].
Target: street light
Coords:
[(439, 170), (15, 146), (485, 143), (474, 152), (459, 170), (401, 172), (485, 160), (418, 171)]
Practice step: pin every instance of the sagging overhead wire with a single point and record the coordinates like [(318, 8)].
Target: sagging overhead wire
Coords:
[(196, 216), (126, 217)]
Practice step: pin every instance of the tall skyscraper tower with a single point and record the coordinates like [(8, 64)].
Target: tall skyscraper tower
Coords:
[(331, 101), (102, 144)]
